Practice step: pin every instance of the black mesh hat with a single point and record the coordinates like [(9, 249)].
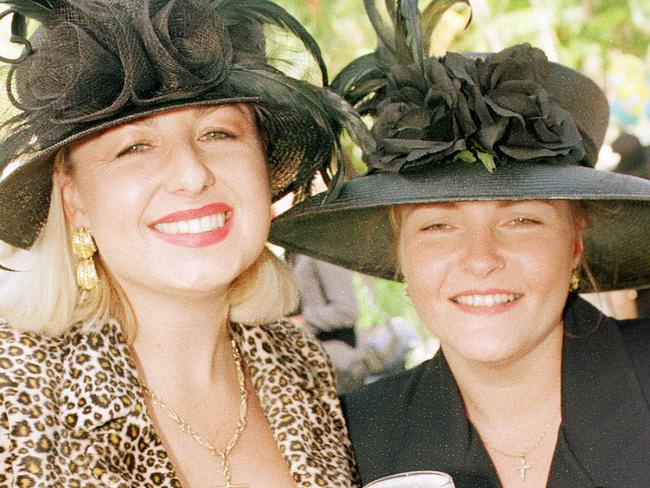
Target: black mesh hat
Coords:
[(466, 127), (93, 64)]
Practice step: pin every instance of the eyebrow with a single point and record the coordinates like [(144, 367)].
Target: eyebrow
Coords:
[(511, 203), (202, 109), (211, 108), (501, 203)]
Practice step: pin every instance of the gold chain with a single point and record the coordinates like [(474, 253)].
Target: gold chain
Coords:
[(185, 426)]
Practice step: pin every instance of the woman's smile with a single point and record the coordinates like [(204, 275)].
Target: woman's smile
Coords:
[(195, 228), (487, 301)]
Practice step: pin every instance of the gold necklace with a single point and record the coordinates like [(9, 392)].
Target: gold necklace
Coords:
[(185, 426), (523, 463)]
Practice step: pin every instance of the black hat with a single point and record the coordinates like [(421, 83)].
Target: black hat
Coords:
[(635, 158), (93, 64), (464, 127)]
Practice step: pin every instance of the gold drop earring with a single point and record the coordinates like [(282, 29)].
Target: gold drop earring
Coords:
[(574, 284), (83, 246)]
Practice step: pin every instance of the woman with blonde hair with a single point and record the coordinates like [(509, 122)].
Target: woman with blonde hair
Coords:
[(482, 197), (142, 341)]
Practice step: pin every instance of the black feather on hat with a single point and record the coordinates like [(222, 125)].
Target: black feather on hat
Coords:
[(467, 126), (93, 64)]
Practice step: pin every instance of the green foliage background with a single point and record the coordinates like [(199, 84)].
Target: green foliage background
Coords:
[(574, 29), (606, 39)]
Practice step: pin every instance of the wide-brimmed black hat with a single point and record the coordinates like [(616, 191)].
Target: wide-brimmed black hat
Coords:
[(466, 127), (93, 64), (635, 157)]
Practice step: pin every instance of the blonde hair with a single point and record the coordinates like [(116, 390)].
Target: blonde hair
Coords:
[(42, 296)]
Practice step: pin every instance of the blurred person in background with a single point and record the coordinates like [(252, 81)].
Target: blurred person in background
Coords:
[(328, 309)]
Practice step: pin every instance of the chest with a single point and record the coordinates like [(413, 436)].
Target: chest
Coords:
[(242, 450)]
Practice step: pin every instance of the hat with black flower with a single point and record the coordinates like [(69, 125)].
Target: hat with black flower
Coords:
[(93, 64), (504, 126)]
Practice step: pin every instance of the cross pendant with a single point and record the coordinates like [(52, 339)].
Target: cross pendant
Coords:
[(523, 467)]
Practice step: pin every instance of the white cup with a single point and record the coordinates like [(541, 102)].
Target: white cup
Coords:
[(414, 479)]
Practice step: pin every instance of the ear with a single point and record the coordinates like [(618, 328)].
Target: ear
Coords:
[(578, 241), (73, 206)]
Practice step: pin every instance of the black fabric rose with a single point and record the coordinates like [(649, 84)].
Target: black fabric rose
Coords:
[(527, 124), (424, 117), (470, 108), (189, 46), (73, 77), (93, 62)]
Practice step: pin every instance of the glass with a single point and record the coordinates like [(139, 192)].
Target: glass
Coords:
[(414, 479)]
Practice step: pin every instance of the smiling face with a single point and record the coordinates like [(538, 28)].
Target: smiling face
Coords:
[(178, 202), (490, 279)]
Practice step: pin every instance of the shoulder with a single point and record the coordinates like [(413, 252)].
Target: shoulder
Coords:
[(24, 352), (291, 339), (10, 334), (284, 336), (29, 365), (289, 348), (389, 397), (637, 328), (636, 334)]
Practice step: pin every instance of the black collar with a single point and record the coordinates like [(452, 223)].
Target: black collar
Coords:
[(605, 416)]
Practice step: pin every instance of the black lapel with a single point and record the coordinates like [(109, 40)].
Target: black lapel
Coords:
[(605, 439), (438, 436)]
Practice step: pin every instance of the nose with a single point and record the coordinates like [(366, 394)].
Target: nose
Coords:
[(482, 254), (187, 170)]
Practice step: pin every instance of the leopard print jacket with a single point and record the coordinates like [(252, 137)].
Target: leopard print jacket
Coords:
[(72, 414)]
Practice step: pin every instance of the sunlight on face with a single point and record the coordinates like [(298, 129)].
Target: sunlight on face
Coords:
[(178, 202), (490, 279)]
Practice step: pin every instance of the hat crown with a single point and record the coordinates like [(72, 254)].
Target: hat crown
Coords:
[(94, 59), (491, 108), (514, 105)]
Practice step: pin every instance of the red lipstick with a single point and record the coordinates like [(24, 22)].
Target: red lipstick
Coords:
[(200, 239)]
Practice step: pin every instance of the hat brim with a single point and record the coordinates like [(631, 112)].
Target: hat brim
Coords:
[(297, 149), (354, 230)]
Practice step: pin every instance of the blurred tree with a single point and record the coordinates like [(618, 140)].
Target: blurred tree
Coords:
[(571, 31)]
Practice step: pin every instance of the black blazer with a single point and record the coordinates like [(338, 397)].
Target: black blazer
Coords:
[(416, 420)]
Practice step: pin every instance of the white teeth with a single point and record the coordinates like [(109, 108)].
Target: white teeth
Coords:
[(484, 300), (194, 226)]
